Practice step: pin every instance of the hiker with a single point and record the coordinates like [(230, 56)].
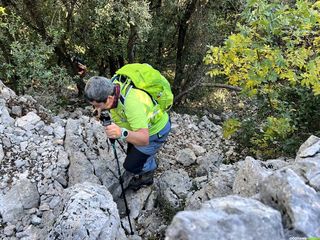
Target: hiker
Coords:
[(136, 119)]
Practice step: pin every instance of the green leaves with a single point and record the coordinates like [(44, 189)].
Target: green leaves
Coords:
[(230, 127), (276, 46)]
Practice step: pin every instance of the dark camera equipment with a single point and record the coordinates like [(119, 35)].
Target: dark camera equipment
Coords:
[(104, 117)]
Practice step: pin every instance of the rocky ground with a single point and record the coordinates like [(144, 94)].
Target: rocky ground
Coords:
[(59, 181)]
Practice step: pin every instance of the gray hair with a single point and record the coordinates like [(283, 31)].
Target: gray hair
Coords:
[(98, 89)]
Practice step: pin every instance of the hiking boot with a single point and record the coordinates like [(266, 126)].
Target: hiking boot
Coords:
[(139, 181)]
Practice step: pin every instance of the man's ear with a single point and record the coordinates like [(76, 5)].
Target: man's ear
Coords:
[(110, 97), (109, 101)]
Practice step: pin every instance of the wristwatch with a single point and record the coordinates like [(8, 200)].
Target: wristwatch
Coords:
[(124, 133)]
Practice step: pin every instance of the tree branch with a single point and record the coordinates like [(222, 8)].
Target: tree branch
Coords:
[(213, 85)]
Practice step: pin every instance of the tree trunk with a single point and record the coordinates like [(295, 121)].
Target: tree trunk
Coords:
[(113, 65), (131, 43), (178, 84)]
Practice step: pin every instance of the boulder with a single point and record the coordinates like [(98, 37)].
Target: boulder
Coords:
[(186, 157), (299, 203), (251, 173), (174, 186), (219, 185), (5, 118), (28, 122), (309, 148), (89, 213), (231, 217), (22, 196)]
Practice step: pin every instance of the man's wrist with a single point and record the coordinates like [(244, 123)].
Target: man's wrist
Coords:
[(124, 133)]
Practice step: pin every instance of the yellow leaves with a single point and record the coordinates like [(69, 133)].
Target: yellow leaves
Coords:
[(298, 57), (289, 75), (80, 49), (316, 43), (212, 56), (230, 127), (316, 89), (250, 83), (214, 72), (316, 5), (2, 11), (277, 127)]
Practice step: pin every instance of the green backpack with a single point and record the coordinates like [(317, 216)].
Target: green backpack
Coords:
[(149, 80)]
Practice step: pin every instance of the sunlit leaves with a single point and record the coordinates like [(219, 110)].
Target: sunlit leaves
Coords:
[(276, 46), (2, 11), (230, 127)]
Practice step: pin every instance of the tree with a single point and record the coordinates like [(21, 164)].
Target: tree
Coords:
[(100, 32), (274, 58)]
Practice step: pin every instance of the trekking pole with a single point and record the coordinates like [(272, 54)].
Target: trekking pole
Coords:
[(106, 120)]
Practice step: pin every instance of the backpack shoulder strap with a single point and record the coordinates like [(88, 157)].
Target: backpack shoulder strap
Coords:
[(125, 84)]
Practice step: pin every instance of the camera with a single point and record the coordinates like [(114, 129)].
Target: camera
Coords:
[(104, 116)]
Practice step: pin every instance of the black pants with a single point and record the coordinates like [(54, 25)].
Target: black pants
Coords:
[(135, 159)]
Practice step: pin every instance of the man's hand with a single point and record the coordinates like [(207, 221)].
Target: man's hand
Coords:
[(113, 131)]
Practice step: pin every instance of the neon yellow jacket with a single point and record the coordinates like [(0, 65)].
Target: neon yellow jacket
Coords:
[(138, 111)]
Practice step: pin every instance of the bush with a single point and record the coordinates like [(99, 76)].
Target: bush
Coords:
[(274, 57)]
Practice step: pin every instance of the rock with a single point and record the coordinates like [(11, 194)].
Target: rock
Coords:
[(5, 118), (309, 148), (219, 185), (137, 201), (35, 220), (16, 110), (1, 153), (48, 129), (54, 202), (19, 163), (9, 230), (298, 203), (28, 193), (81, 170), (23, 145), (231, 217), (28, 121), (59, 132), (309, 170), (89, 213), (173, 187), (11, 208), (249, 177), (6, 92), (186, 157), (208, 163), (198, 150)]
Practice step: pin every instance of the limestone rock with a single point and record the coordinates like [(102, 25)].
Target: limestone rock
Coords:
[(251, 173), (298, 203), (219, 185), (5, 118), (28, 121), (173, 187), (229, 218), (186, 157), (309, 148), (89, 213), (1, 153)]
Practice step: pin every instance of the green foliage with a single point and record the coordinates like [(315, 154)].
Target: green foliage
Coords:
[(274, 56), (230, 127), (31, 62), (107, 28)]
